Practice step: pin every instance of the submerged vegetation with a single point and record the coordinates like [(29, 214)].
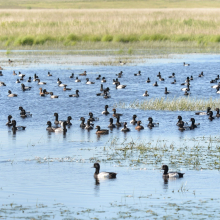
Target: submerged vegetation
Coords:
[(28, 28), (175, 104)]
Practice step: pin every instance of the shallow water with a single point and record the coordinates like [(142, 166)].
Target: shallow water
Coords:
[(49, 174)]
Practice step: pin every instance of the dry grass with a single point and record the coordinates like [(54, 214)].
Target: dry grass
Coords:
[(35, 27)]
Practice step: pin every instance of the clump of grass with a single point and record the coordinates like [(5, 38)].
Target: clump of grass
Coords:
[(175, 104)]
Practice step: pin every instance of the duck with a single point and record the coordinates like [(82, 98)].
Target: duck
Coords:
[(88, 125), (216, 86), (122, 63), (201, 74), (148, 80), (146, 93), (18, 81), (101, 89), (41, 92), (75, 95), (50, 128), (186, 64), (72, 75), (118, 123), (49, 74), (101, 131), (204, 113), (10, 61), (58, 80), (23, 112), (217, 78), (174, 82), (11, 94), (138, 74), (106, 96), (1, 74), (21, 75), (191, 78), (106, 110), (119, 86), (186, 88), (56, 122), (115, 114), (89, 82), (159, 75), (172, 76), (2, 84), (103, 80), (151, 124), (65, 89), (179, 120), (125, 128), (213, 81), (217, 114), (134, 121), (161, 79), (115, 81), (182, 127), (211, 116), (82, 125), (217, 90), (166, 92), (68, 121), (111, 125), (91, 117), (98, 78), (98, 175), (35, 77), (171, 174), (52, 96), (61, 129), (46, 92), (193, 125), (9, 123), (155, 84), (61, 84), (83, 74), (40, 83), (17, 128), (139, 126), (24, 88), (186, 93), (29, 79), (77, 80)]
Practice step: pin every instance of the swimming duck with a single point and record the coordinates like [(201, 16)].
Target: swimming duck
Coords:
[(11, 94), (50, 128), (61, 84), (148, 80), (217, 78), (159, 75), (115, 114), (151, 124), (186, 64), (166, 92), (18, 81), (133, 121), (172, 76), (139, 126), (106, 110), (88, 125), (174, 82), (103, 80), (1, 74), (41, 92), (186, 89), (119, 86), (171, 174), (161, 79), (75, 95), (10, 61), (138, 74), (146, 93), (216, 86), (106, 96), (17, 128), (111, 125), (118, 123), (72, 75), (211, 116), (213, 81), (119, 74), (204, 113), (49, 74), (58, 80), (52, 96), (23, 112), (99, 131), (155, 84), (186, 93), (105, 93), (98, 175), (68, 121), (40, 83), (125, 128), (201, 74), (193, 125), (83, 74), (82, 125), (122, 63), (191, 78), (21, 75), (46, 92), (91, 117), (2, 84), (61, 129), (35, 77), (115, 81), (217, 114), (99, 77), (22, 78), (89, 82), (179, 120), (182, 127), (65, 89), (29, 79), (217, 90), (56, 122), (9, 123), (24, 88)]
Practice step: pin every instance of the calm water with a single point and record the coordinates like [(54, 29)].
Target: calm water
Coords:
[(50, 174)]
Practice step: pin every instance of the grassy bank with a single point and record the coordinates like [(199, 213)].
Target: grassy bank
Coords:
[(67, 28), (175, 104)]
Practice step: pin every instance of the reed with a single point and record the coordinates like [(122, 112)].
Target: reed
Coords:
[(175, 104), (69, 27)]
